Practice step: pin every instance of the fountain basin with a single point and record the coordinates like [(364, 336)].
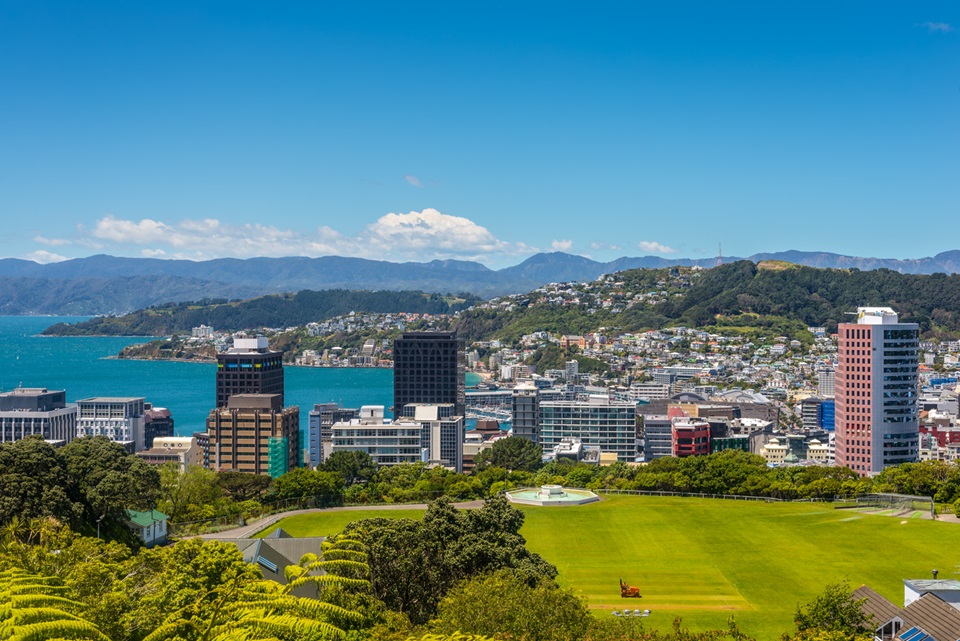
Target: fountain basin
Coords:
[(551, 495)]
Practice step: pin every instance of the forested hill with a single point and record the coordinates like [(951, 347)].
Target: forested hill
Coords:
[(281, 310), (769, 294), (817, 296)]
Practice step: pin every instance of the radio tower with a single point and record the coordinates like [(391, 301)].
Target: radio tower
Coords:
[(719, 254)]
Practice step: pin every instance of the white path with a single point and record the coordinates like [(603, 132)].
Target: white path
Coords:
[(247, 531)]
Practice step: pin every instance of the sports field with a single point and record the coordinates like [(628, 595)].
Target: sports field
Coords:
[(705, 559)]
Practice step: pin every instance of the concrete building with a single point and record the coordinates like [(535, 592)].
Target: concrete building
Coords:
[(254, 433), (429, 367), (657, 437), (571, 370), (610, 425), (648, 391), (774, 451), (690, 436), (526, 412), (249, 367), (182, 450), (157, 422), (441, 432), (120, 419), (320, 437), (424, 433), (387, 442), (29, 411), (202, 332), (876, 391), (482, 437), (825, 383)]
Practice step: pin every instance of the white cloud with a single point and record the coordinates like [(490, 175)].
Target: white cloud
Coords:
[(936, 27), (43, 257), (416, 236), (127, 231), (51, 242), (413, 180), (655, 247), (604, 246), (561, 245)]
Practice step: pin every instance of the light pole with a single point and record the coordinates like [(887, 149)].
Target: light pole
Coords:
[(98, 524)]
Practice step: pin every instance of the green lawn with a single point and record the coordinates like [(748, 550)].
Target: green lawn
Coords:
[(706, 560)]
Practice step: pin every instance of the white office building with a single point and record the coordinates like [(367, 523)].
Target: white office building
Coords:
[(120, 419), (425, 433), (28, 411), (610, 425)]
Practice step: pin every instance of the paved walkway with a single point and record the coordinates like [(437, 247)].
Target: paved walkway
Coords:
[(247, 531)]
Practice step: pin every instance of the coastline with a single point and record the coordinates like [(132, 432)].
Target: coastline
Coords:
[(484, 376)]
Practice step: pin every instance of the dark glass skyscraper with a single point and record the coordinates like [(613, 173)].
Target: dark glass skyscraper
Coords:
[(429, 367), (249, 368)]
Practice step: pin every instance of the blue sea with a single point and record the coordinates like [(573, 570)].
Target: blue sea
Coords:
[(83, 367)]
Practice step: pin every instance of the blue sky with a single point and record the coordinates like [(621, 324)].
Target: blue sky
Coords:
[(485, 131)]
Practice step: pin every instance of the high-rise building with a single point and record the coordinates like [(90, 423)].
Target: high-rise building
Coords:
[(320, 437), (249, 367), (120, 419), (254, 433), (876, 391), (610, 425), (526, 412), (825, 382), (428, 367), (657, 437), (37, 411)]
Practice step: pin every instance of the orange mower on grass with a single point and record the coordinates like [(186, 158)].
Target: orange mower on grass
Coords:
[(629, 591)]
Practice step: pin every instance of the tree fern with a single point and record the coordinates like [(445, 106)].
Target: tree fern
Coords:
[(33, 608)]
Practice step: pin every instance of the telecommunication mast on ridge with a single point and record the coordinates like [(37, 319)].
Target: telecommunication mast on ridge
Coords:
[(719, 254)]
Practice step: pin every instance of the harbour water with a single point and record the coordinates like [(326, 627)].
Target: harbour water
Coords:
[(84, 367)]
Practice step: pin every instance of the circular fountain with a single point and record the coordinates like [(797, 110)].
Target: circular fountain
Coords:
[(551, 495)]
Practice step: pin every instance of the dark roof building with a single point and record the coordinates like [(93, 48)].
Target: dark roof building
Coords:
[(249, 367), (927, 618), (429, 367)]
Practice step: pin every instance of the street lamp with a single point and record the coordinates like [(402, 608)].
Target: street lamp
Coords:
[(98, 524)]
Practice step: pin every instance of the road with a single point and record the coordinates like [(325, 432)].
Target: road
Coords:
[(247, 531)]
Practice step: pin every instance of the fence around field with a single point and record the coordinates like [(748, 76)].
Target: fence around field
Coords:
[(275, 511), (702, 495), (270, 513)]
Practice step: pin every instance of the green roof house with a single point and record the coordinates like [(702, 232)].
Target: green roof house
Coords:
[(150, 526)]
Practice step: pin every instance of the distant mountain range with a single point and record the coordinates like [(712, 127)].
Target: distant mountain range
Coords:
[(109, 285)]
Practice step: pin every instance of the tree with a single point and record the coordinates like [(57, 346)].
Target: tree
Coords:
[(414, 563), (243, 486), (34, 483), (513, 453), (502, 605), (835, 610), (109, 481), (355, 467), (301, 483), (189, 495)]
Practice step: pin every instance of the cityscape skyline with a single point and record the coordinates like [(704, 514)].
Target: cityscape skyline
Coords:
[(412, 133)]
